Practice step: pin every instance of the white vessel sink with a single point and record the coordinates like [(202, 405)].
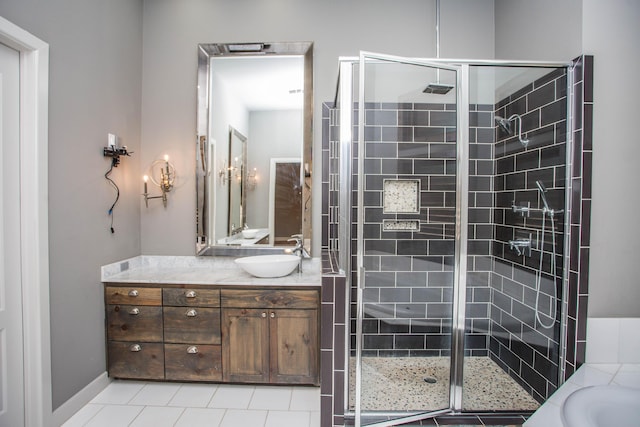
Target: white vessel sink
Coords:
[(602, 406), (250, 233), (269, 265)]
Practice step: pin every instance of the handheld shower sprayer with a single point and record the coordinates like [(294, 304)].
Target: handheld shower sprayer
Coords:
[(543, 190)]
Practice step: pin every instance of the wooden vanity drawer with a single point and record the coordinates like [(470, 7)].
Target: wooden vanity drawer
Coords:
[(133, 295), (191, 297), (134, 323), (186, 362), (139, 360), (276, 298), (192, 325)]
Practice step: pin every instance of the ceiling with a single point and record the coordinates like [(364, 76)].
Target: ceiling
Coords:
[(263, 83)]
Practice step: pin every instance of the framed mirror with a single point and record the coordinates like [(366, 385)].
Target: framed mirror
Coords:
[(254, 145)]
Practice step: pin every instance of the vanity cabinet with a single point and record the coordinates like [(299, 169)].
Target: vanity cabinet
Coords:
[(192, 334), (212, 333), (134, 332), (270, 336)]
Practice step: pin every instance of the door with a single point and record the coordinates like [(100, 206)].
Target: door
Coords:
[(245, 344), (408, 239), (11, 345), (285, 201)]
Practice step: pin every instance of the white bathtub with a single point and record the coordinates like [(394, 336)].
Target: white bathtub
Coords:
[(602, 406)]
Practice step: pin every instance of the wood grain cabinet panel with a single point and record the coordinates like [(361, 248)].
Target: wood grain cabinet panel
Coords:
[(141, 360), (191, 297), (294, 346), (194, 325), (134, 323), (269, 298), (133, 295), (245, 345), (184, 362)]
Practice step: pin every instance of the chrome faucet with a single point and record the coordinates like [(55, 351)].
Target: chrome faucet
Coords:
[(299, 249)]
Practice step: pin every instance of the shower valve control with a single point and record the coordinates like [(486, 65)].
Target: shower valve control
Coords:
[(522, 210)]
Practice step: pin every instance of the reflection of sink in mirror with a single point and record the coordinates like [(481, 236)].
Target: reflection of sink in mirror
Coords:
[(269, 265), (250, 233)]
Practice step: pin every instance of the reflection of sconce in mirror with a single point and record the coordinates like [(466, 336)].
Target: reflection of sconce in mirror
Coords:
[(252, 179), (226, 173), (165, 182)]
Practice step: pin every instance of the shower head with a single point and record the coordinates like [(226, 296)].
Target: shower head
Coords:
[(505, 124), (438, 88), (543, 190)]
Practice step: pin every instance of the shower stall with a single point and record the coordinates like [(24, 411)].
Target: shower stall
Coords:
[(449, 215)]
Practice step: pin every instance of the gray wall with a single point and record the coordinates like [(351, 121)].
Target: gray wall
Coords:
[(545, 30), (94, 89), (611, 34), (173, 29), (552, 30)]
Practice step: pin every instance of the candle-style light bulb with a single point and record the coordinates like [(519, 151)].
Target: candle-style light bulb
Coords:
[(145, 178), (166, 157)]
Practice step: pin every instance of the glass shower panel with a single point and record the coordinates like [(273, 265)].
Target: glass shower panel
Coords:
[(517, 128), (406, 232)]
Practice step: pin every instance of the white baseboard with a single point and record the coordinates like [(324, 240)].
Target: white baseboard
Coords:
[(78, 400)]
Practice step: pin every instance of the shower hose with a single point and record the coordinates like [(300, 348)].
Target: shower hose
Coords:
[(553, 271)]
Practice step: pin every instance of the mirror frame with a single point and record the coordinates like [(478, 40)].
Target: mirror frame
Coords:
[(205, 241)]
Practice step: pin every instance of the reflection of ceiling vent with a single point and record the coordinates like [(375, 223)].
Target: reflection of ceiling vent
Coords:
[(245, 47)]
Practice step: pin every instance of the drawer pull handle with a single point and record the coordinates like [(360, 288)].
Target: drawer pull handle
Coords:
[(133, 293), (192, 349), (135, 347), (192, 313), (190, 294), (273, 315), (264, 314), (134, 311)]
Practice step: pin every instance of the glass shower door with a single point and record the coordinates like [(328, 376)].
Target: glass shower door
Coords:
[(408, 244)]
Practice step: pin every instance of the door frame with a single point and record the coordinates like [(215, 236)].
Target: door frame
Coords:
[(34, 229)]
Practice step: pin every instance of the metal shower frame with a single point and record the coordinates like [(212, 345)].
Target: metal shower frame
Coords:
[(344, 97)]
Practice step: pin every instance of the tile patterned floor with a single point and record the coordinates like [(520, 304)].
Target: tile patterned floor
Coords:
[(149, 404)]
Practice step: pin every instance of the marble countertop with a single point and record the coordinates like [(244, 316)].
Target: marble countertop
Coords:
[(193, 270)]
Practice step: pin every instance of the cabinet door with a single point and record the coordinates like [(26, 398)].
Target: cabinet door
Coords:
[(245, 345), (294, 346)]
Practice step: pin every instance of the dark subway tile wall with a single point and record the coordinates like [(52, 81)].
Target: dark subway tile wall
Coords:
[(408, 303), (580, 216), (525, 350)]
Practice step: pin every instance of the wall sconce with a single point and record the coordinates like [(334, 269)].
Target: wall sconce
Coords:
[(166, 181)]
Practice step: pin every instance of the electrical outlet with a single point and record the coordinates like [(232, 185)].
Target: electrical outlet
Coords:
[(112, 140)]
